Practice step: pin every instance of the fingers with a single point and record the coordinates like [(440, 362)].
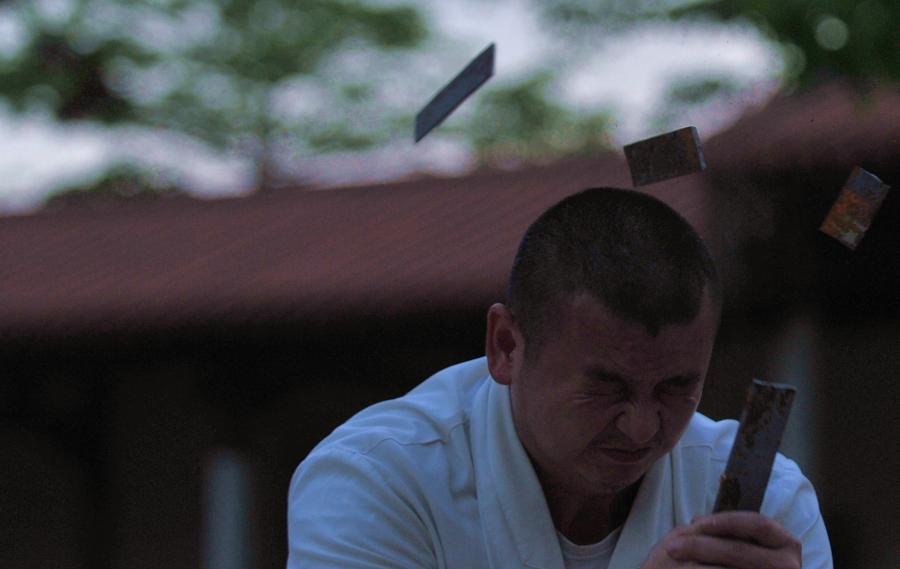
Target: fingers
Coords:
[(660, 557), (717, 551), (747, 526), (737, 540)]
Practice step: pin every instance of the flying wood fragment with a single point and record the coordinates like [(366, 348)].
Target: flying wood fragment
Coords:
[(668, 155), (469, 79), (856, 206)]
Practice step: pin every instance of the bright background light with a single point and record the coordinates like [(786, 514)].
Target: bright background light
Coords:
[(628, 73)]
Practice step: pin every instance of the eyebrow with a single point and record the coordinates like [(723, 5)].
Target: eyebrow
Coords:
[(600, 374), (683, 379)]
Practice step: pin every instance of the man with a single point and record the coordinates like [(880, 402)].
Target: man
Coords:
[(575, 443)]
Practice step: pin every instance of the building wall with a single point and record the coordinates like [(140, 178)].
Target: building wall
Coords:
[(110, 441), (859, 432)]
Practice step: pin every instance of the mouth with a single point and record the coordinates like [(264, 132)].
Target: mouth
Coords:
[(626, 456)]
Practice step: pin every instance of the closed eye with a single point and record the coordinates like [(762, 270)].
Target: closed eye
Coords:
[(606, 389), (680, 384), (604, 384)]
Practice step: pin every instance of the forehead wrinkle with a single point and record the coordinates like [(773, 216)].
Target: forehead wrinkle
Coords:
[(638, 369), (638, 358), (624, 347)]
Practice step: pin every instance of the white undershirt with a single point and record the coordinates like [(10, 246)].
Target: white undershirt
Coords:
[(590, 556)]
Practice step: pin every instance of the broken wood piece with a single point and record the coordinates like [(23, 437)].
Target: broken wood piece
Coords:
[(666, 156), (765, 415), (855, 207), (454, 93)]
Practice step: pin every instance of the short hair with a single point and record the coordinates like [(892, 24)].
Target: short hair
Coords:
[(629, 250)]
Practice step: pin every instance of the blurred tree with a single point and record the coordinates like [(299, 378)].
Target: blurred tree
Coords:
[(690, 92), (120, 181), (610, 14), (822, 38), (819, 38), (213, 69), (265, 79), (519, 121)]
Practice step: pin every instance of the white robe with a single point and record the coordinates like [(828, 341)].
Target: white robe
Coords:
[(438, 478)]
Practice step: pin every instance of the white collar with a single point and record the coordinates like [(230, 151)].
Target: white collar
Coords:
[(512, 504)]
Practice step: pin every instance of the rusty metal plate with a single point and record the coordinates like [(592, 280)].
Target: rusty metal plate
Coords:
[(454, 93), (763, 420), (666, 156), (856, 206)]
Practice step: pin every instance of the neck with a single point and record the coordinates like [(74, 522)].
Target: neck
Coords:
[(588, 519)]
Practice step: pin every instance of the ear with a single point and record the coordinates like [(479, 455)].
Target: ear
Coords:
[(504, 344)]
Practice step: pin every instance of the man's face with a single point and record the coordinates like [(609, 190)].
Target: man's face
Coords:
[(603, 400)]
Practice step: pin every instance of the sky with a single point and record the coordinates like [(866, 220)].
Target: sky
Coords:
[(626, 72)]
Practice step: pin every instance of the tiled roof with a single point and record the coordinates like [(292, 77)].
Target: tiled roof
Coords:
[(835, 125), (379, 251)]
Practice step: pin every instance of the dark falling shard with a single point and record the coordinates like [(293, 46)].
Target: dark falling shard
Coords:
[(855, 207), (467, 82), (666, 156)]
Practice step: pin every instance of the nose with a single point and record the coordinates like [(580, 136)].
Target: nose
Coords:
[(639, 422)]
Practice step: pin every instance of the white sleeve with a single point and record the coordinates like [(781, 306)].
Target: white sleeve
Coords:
[(346, 511), (798, 511), (816, 547)]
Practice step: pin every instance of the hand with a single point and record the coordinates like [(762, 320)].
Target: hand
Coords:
[(728, 540)]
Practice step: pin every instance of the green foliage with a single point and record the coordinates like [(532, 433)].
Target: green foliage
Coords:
[(606, 12), (820, 38), (849, 38), (337, 136), (122, 181), (228, 71), (520, 121), (51, 74), (687, 93), (210, 68), (695, 90)]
